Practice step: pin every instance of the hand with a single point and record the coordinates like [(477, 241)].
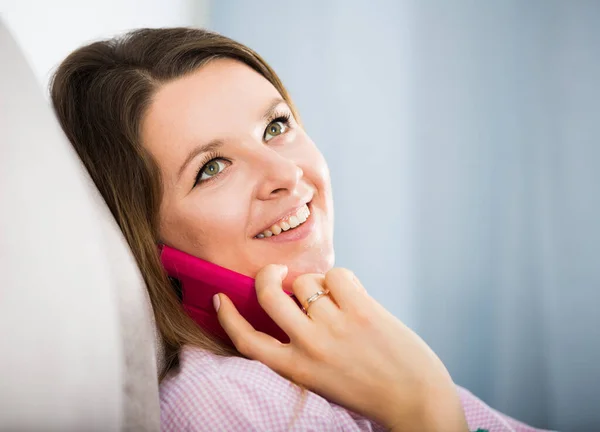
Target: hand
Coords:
[(350, 350)]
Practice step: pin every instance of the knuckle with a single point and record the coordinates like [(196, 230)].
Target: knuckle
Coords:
[(358, 284), (271, 269), (303, 281), (300, 374), (363, 316), (360, 288), (339, 274), (242, 345), (266, 297), (339, 329), (266, 274), (345, 281), (317, 351)]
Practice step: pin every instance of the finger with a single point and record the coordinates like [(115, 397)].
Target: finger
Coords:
[(277, 304), (247, 340), (345, 287), (305, 286)]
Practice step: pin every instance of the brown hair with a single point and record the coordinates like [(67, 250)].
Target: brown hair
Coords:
[(100, 94)]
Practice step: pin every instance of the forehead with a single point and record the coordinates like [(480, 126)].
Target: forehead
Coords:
[(220, 98)]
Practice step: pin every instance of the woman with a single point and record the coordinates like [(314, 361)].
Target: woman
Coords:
[(194, 143)]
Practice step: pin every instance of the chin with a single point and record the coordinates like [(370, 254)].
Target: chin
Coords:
[(320, 265)]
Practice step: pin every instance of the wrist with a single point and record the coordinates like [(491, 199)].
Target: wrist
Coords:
[(437, 410)]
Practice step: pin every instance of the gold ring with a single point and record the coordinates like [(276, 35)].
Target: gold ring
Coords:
[(313, 298)]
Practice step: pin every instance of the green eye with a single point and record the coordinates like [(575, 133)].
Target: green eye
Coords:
[(275, 128), (211, 169)]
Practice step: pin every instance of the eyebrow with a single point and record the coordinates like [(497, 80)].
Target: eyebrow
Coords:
[(269, 113), (211, 146), (217, 143)]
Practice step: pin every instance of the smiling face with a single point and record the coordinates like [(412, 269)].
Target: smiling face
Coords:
[(239, 173)]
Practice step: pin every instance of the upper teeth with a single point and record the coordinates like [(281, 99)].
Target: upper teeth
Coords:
[(290, 222)]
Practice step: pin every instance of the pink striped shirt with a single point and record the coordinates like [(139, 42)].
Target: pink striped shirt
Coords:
[(213, 393)]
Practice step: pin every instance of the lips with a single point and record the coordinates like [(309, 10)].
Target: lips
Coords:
[(291, 219)]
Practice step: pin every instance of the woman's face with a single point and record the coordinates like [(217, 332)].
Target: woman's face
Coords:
[(239, 173)]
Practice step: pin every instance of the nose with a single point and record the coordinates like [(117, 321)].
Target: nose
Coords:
[(280, 176)]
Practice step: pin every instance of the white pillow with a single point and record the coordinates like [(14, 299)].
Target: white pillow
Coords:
[(77, 340)]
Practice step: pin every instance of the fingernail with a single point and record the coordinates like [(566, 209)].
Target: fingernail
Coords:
[(216, 302)]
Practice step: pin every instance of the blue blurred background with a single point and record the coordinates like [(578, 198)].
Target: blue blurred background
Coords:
[(463, 139)]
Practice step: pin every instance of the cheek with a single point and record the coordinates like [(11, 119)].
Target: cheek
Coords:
[(316, 172), (316, 169), (201, 221), (306, 155), (323, 170), (184, 230)]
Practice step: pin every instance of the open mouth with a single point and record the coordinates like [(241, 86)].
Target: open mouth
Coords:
[(289, 223)]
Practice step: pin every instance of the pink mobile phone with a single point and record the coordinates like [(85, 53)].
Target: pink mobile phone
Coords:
[(199, 280)]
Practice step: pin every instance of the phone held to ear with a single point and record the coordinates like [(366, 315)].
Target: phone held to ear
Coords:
[(200, 280)]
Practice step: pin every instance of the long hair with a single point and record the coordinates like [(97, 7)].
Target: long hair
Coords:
[(100, 94)]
